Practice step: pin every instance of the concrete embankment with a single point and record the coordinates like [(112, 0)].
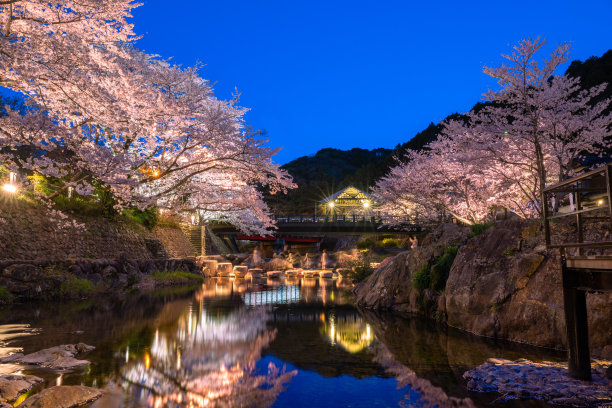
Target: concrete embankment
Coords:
[(503, 283)]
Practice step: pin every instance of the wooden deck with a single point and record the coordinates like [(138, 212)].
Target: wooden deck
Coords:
[(591, 193)]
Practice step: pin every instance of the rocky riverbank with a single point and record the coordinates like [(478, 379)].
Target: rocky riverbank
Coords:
[(502, 283), (42, 280)]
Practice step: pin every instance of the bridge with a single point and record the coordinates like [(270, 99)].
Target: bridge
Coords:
[(303, 230), (316, 226)]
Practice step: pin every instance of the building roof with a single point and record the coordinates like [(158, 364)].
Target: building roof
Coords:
[(350, 193)]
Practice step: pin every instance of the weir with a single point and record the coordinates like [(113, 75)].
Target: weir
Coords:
[(586, 266)]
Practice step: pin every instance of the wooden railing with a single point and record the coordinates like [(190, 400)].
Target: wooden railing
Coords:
[(346, 218), (589, 193)]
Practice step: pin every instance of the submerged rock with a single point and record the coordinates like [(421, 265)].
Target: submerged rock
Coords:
[(63, 396), (59, 357), (12, 386), (545, 381)]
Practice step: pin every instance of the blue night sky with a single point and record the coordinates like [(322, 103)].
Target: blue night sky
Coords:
[(350, 74)]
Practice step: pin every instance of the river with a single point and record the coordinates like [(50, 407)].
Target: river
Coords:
[(282, 343)]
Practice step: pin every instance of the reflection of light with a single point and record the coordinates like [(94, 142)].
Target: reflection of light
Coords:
[(58, 381), (10, 188), (353, 335), (147, 361), (127, 354)]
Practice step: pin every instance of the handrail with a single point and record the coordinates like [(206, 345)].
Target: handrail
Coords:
[(575, 179), (575, 191)]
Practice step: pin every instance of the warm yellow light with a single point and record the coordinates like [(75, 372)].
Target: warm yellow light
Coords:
[(331, 205), (366, 204), (155, 173), (10, 188), (600, 202)]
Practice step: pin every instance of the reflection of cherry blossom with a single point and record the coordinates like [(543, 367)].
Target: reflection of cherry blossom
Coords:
[(430, 395), (209, 361)]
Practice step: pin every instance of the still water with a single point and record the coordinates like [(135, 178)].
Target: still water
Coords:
[(290, 342)]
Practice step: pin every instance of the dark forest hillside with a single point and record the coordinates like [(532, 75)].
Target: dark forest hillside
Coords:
[(329, 170)]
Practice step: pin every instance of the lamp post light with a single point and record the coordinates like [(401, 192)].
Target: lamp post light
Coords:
[(11, 187)]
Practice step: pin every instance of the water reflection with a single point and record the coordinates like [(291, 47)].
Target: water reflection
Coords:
[(350, 332), (208, 360), (227, 343)]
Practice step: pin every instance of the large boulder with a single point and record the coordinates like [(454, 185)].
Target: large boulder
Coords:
[(12, 386), (22, 272), (504, 283), (390, 287), (63, 396)]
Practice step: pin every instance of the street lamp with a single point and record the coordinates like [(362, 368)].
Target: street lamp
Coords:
[(10, 187)]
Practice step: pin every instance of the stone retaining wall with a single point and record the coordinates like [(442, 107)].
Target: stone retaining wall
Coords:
[(29, 232)]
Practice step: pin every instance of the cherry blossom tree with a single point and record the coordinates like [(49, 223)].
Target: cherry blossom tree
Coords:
[(101, 112), (530, 133), (438, 181)]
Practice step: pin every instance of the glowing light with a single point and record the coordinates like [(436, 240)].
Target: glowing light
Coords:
[(600, 202), (331, 205), (366, 204), (155, 173), (193, 219), (10, 188), (147, 360), (70, 191)]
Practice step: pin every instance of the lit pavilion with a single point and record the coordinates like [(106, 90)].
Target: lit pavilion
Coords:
[(349, 202)]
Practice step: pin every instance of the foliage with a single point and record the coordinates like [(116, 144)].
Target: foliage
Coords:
[(440, 270), (434, 276), (176, 276), (365, 244), (6, 297), (478, 229), (390, 243), (421, 278), (78, 205), (360, 269), (148, 217), (75, 287)]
